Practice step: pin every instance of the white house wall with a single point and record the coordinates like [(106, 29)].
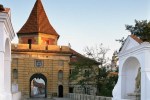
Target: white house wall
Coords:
[(142, 54), (146, 75), (129, 43), (6, 35)]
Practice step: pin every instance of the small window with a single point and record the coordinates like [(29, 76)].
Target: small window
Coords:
[(38, 63), (79, 88), (47, 42), (85, 71), (29, 42), (61, 63), (70, 89), (70, 71), (60, 75), (15, 73)]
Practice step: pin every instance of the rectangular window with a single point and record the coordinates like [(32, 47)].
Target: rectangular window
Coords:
[(70, 71), (15, 73), (29, 42), (70, 89), (61, 63), (60, 75)]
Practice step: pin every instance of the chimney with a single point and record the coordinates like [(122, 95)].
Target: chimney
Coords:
[(1, 7)]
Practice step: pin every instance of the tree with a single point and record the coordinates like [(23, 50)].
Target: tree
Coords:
[(84, 70), (121, 40), (141, 29), (97, 53), (95, 63)]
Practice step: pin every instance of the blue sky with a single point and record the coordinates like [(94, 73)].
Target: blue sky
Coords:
[(84, 22)]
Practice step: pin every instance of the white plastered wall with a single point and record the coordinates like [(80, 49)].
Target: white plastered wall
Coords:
[(6, 35), (131, 58)]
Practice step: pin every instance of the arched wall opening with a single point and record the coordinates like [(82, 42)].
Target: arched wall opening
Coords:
[(129, 74), (38, 86)]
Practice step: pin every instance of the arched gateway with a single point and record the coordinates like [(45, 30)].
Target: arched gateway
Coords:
[(38, 86), (134, 71)]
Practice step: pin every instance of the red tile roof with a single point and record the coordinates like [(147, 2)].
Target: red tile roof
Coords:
[(133, 37), (77, 57), (136, 38), (38, 22), (111, 74), (4, 10)]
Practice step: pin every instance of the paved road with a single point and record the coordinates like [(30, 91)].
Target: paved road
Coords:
[(48, 99), (38, 99), (62, 99)]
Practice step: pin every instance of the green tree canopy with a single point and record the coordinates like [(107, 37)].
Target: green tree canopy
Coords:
[(95, 75), (141, 29)]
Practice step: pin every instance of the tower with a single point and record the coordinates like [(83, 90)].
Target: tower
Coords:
[(39, 57), (37, 29)]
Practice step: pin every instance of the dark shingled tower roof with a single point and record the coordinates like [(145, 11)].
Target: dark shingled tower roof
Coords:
[(38, 22)]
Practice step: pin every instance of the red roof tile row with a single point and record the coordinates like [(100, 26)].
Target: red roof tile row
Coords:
[(38, 22)]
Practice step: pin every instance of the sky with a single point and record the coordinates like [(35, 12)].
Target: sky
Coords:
[(84, 23)]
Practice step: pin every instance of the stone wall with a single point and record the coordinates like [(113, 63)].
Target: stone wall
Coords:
[(75, 96), (25, 64)]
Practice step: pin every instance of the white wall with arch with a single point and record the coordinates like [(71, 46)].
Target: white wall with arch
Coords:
[(129, 73), (133, 55), (6, 36)]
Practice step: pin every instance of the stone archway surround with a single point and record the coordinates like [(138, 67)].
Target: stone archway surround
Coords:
[(39, 75)]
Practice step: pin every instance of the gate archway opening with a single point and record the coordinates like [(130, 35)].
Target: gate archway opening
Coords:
[(38, 86)]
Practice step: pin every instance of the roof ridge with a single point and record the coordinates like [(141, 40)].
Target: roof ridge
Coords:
[(137, 39)]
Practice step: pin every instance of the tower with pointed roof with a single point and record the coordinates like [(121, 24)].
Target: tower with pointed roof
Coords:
[(37, 29), (39, 65)]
